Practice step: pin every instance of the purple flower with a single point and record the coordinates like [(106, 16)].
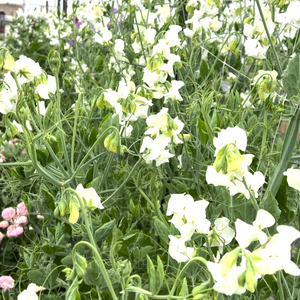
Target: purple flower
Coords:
[(114, 10), (72, 43)]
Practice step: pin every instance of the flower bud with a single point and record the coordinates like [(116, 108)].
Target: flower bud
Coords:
[(228, 159), (80, 264), (127, 105), (112, 143), (154, 62), (228, 261), (70, 273), (198, 290), (54, 61), (74, 211), (250, 276)]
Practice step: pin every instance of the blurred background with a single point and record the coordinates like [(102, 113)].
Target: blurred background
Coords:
[(29, 6)]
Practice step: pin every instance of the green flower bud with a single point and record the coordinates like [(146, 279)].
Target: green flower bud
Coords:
[(80, 264), (54, 61), (228, 159), (74, 211), (154, 62), (251, 281), (70, 273), (127, 105), (242, 279), (9, 63), (198, 290), (113, 143), (229, 261)]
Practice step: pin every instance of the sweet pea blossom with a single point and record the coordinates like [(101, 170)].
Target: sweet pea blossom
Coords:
[(30, 292), (6, 283), (8, 213), (222, 234), (293, 178), (21, 209), (90, 197), (179, 251), (245, 233), (14, 231)]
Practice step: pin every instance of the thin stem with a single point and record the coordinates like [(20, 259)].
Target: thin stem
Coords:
[(124, 182), (93, 244), (62, 133), (89, 152), (269, 37)]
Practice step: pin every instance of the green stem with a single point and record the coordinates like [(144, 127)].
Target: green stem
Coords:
[(279, 284), (269, 37), (195, 259), (90, 150), (264, 137), (74, 131), (124, 182), (58, 120), (93, 244), (252, 198)]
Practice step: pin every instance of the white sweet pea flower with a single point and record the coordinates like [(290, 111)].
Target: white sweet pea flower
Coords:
[(231, 135), (177, 204), (150, 34), (173, 93), (168, 67), (157, 149), (293, 178), (172, 36), (89, 196), (179, 251), (27, 69), (277, 253), (44, 89), (254, 49), (228, 284), (246, 233), (222, 234)]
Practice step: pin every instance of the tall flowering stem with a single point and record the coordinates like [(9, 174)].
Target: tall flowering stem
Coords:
[(93, 244)]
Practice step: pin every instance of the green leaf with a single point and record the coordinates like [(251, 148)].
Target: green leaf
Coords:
[(291, 77), (156, 277), (184, 290), (204, 70), (202, 131), (105, 230), (271, 206), (49, 199), (162, 230), (72, 292), (92, 275), (68, 261), (36, 276), (93, 136)]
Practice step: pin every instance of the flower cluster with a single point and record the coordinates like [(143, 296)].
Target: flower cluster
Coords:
[(239, 270), (14, 220), (189, 216), (230, 168)]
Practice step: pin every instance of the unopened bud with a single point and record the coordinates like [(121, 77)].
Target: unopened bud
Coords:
[(228, 261), (54, 61), (112, 143), (74, 211)]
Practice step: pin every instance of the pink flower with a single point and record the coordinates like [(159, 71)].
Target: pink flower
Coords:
[(21, 221), (13, 231), (8, 213), (21, 209), (1, 237), (40, 217), (6, 282), (2, 157), (4, 224)]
